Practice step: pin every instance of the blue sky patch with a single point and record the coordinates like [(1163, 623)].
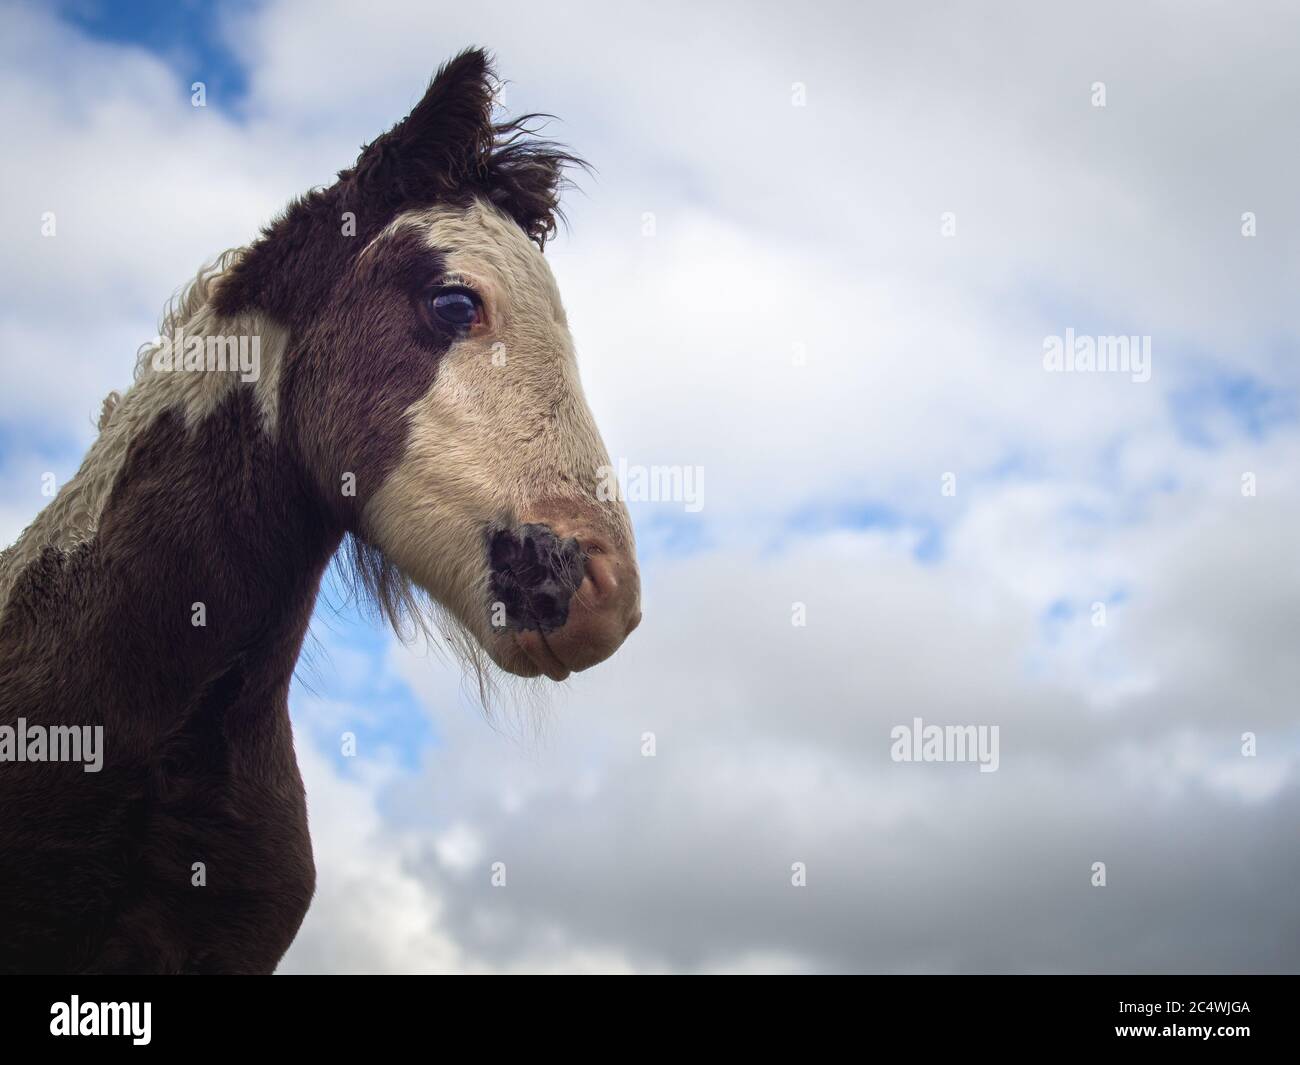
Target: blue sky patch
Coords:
[(188, 34)]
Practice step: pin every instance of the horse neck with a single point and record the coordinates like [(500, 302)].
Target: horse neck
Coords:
[(199, 580)]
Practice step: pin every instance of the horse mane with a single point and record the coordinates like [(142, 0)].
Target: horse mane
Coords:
[(526, 176), (189, 308)]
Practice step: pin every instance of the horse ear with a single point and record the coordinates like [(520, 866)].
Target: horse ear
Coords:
[(439, 147), (435, 153)]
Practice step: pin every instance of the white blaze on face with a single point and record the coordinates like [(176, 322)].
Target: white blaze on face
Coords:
[(504, 433)]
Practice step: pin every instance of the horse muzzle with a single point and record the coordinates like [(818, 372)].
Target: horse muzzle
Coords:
[(568, 596)]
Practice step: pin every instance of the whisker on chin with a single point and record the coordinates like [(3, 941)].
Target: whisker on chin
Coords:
[(381, 588)]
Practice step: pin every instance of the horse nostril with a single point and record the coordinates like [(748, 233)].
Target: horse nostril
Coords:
[(602, 571)]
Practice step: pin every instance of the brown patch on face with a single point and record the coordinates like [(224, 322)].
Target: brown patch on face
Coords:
[(357, 370)]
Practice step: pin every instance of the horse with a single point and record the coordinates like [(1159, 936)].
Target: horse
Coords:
[(384, 373)]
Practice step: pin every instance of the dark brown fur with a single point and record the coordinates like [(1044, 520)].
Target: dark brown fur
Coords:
[(96, 868)]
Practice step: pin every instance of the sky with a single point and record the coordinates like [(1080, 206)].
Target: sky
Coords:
[(820, 259)]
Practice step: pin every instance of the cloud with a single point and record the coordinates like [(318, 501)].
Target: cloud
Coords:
[(682, 861)]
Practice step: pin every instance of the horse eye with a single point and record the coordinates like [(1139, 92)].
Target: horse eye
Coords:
[(456, 308)]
